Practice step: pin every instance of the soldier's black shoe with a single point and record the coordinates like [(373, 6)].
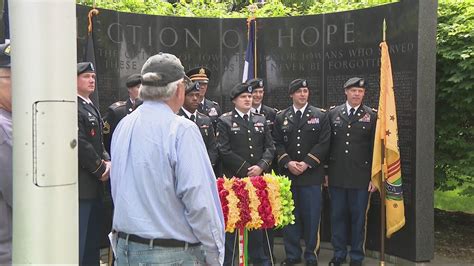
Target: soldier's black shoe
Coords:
[(290, 262), (312, 263), (336, 262), (355, 263)]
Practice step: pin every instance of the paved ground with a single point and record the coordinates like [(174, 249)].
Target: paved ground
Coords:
[(325, 256)]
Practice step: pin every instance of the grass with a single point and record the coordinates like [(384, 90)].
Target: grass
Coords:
[(452, 201)]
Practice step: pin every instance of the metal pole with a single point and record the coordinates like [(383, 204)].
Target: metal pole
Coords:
[(45, 192), (382, 208)]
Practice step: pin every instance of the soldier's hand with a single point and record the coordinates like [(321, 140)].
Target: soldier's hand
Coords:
[(105, 175), (372, 187), (325, 184), (254, 170), (294, 168), (302, 166)]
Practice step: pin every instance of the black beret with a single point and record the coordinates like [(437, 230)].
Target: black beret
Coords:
[(296, 85), (200, 74), (355, 82), (5, 54), (84, 67), (193, 86), (239, 89), (167, 67), (133, 80), (256, 83)]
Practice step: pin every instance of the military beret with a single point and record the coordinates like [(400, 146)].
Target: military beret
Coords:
[(239, 89), (355, 82), (167, 67), (85, 67), (296, 84), (5, 54), (133, 80), (200, 74), (193, 86), (256, 83)]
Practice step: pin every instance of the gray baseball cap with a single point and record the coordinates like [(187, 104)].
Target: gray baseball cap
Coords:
[(167, 67)]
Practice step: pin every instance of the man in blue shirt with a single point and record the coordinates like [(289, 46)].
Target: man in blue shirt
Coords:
[(6, 146), (167, 208)]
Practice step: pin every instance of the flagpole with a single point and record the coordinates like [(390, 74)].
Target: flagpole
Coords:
[(382, 184), (255, 48)]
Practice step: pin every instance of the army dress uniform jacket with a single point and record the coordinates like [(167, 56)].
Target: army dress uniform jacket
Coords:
[(112, 117), (207, 132), (352, 140), (306, 141), (243, 144), (211, 109), (270, 114), (91, 150)]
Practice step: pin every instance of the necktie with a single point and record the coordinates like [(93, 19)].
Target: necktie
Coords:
[(256, 111), (192, 118), (298, 117), (246, 117), (351, 113)]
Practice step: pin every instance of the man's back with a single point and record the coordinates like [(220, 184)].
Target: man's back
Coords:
[(162, 179)]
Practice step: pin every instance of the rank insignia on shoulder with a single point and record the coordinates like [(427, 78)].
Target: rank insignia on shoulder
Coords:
[(332, 107), (215, 103), (323, 110), (106, 129), (375, 110), (227, 114)]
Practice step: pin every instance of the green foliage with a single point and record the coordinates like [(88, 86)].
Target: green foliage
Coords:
[(454, 147), (455, 96)]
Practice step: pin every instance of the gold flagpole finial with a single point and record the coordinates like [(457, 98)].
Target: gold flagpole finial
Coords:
[(93, 12), (384, 29)]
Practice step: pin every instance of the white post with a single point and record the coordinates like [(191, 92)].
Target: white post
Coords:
[(45, 190)]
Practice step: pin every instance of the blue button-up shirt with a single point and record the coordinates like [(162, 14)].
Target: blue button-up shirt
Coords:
[(6, 188), (163, 185)]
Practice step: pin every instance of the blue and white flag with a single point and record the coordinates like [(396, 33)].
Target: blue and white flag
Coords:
[(249, 67)]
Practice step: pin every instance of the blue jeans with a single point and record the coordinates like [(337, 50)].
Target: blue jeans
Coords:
[(132, 253)]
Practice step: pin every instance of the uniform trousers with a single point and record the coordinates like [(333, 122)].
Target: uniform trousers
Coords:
[(307, 215), (90, 223), (257, 241), (348, 206)]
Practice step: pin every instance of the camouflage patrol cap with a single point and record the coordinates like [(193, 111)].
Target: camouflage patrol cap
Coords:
[(85, 67), (239, 89), (256, 83), (167, 67), (296, 85), (5, 54), (354, 82), (133, 80)]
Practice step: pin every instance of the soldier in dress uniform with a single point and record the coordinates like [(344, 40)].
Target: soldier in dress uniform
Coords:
[(206, 106), (302, 135), (120, 109), (350, 164), (94, 166), (246, 148), (189, 110), (258, 91)]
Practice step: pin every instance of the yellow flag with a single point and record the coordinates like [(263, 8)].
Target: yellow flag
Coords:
[(386, 135)]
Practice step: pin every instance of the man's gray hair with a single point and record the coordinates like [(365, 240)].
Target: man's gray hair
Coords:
[(156, 93)]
